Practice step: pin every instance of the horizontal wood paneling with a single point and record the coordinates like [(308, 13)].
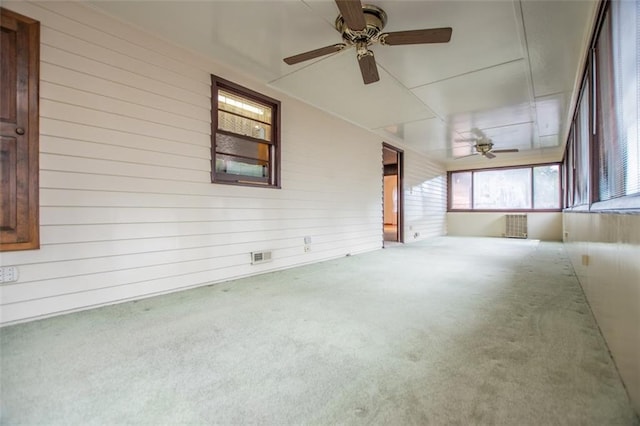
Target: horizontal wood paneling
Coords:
[(124, 38), (86, 82), (91, 50), (425, 198), (101, 30), (127, 207), (611, 282), (89, 150), (117, 137), (63, 58), (112, 232), (115, 121), (89, 100)]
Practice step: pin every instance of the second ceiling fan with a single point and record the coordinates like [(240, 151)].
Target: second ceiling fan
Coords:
[(361, 26), (483, 145)]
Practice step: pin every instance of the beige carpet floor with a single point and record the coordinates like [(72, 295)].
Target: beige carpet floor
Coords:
[(450, 331)]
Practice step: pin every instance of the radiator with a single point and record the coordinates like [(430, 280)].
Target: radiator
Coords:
[(516, 226)]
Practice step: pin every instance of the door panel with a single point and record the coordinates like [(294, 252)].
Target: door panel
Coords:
[(19, 132)]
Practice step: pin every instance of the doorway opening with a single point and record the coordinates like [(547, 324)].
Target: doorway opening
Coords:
[(392, 200)]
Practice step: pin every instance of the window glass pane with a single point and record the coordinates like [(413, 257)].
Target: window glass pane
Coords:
[(618, 107), (228, 144), (502, 189), (610, 177), (626, 70), (239, 105), (582, 136), (461, 190), (243, 126), (569, 189), (546, 187), (239, 166)]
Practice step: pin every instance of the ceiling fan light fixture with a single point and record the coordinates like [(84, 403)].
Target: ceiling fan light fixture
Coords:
[(375, 19), (484, 147), (362, 47)]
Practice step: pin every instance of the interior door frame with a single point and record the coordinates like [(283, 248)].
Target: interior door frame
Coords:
[(400, 185)]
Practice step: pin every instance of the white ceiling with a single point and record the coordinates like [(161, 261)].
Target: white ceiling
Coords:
[(509, 69)]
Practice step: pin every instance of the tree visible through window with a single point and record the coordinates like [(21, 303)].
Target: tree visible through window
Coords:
[(245, 136), (502, 189), (514, 188)]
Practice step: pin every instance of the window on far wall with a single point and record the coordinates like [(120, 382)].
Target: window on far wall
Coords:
[(512, 188), (245, 136)]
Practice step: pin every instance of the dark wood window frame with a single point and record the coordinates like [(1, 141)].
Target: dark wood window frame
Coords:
[(19, 134), (626, 203), (273, 178), (527, 166)]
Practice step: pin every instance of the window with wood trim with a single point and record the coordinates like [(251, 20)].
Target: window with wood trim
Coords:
[(528, 188), (582, 141), (245, 136), (606, 161), (19, 131)]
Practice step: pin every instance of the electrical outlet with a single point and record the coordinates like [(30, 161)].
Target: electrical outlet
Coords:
[(8, 274), (307, 248), (307, 240)]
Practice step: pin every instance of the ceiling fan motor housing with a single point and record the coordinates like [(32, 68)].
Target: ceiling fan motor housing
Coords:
[(484, 147), (375, 19)]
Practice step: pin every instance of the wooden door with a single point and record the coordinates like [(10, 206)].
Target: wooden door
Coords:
[(19, 132)]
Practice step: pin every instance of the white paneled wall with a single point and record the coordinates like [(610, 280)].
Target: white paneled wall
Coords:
[(604, 249), (425, 198), (127, 207), (546, 226)]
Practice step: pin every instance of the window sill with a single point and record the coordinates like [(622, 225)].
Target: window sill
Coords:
[(629, 204), (506, 211)]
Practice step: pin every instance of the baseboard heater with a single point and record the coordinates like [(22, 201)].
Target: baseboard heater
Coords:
[(516, 226)]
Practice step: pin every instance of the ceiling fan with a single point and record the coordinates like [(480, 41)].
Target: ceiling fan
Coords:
[(483, 145), (361, 26)]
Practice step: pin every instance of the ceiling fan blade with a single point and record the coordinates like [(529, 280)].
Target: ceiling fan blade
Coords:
[(351, 11), (465, 156), (431, 35), (291, 60), (489, 155), (368, 68), (505, 150)]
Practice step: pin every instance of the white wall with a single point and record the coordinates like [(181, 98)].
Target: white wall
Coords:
[(605, 253), (127, 207), (546, 226), (425, 197)]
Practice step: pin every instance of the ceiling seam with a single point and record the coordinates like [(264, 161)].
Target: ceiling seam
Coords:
[(520, 12), (467, 73)]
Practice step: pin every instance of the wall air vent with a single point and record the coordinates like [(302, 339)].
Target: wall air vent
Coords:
[(258, 257)]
